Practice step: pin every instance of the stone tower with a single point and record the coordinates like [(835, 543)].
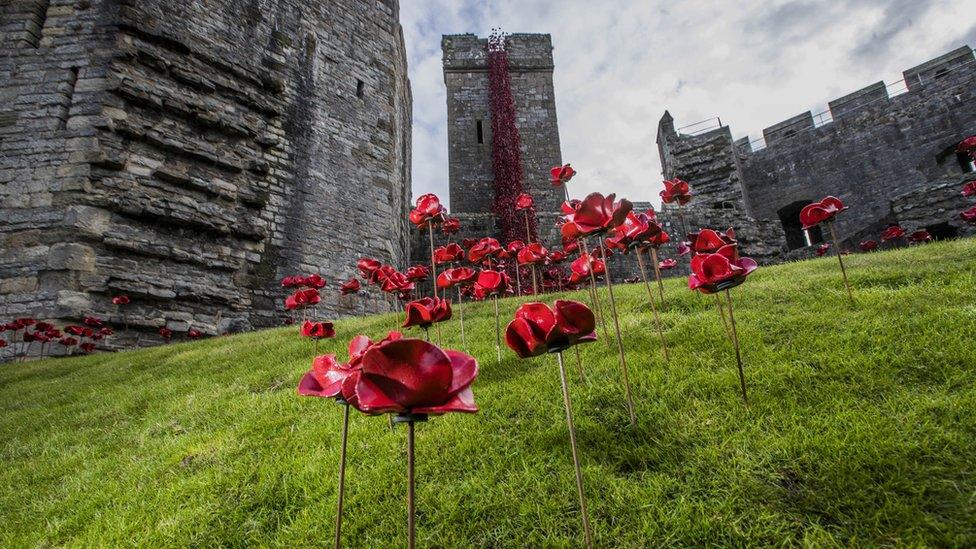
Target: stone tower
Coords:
[(189, 154), (469, 128)]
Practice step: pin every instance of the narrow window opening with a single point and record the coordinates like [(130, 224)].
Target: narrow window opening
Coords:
[(966, 162), (788, 134), (941, 72), (942, 231), (481, 132), (69, 97), (796, 236), (360, 89)]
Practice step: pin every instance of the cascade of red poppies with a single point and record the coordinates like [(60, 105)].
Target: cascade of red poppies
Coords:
[(505, 145)]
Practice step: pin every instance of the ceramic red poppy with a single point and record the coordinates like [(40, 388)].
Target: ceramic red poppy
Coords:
[(868, 245), (676, 190), (967, 146), (920, 236), (93, 321), (667, 264), (317, 330), (396, 282), (596, 214), (121, 300), (820, 212), (532, 254), (708, 241), (538, 329), (327, 375), (486, 248), (449, 253), (428, 210), (418, 273), (367, 266), (68, 341), (166, 333), (490, 283), (892, 232), (454, 277), (560, 175), (822, 249), (580, 268), (969, 216), (524, 201), (411, 376), (451, 225), (711, 273), (427, 311), (303, 298), (350, 286)]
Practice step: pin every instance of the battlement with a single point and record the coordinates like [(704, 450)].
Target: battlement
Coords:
[(526, 52)]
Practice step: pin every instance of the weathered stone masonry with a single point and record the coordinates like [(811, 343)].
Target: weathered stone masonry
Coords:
[(190, 154), (890, 158)]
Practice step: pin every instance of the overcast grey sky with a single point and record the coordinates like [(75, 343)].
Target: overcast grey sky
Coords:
[(620, 64)]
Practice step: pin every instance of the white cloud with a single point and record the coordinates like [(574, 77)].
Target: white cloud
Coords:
[(620, 64)]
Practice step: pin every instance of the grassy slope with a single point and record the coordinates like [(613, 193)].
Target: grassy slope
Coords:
[(862, 430)]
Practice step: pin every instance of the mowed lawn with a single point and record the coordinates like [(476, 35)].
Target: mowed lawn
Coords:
[(861, 430)]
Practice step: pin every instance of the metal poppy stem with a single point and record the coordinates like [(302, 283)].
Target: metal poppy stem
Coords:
[(518, 278), (498, 343), (528, 234), (433, 265), (650, 298), (572, 444), (738, 356), (840, 259), (535, 283), (411, 526), (342, 474), (596, 293), (657, 274), (426, 333), (461, 312), (620, 342), (721, 310)]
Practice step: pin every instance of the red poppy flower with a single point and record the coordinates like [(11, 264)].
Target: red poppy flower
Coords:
[(571, 246), (490, 283), (25, 322), (868, 245), (93, 321), (819, 212), (194, 334), (667, 264), (54, 333), (711, 273), (969, 215), (485, 248), (514, 247), (466, 243), (967, 146), (75, 330), (350, 286), (892, 232), (3, 343), (396, 282), (684, 247), (104, 332), (451, 225), (68, 341), (317, 330), (427, 311), (969, 189), (367, 266), (166, 333), (919, 236), (315, 281), (822, 249), (676, 190), (524, 201), (121, 300), (581, 267), (412, 376), (596, 214), (636, 229), (88, 347), (557, 256), (560, 175), (538, 329), (449, 253), (418, 273), (453, 277), (302, 298), (428, 210), (708, 241), (291, 281), (327, 375), (532, 254)]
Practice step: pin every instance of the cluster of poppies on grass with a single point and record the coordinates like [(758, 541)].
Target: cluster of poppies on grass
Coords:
[(968, 147), (24, 337)]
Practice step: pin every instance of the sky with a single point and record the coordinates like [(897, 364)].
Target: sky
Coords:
[(620, 64)]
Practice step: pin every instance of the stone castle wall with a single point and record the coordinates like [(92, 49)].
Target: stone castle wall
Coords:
[(882, 155), (190, 154)]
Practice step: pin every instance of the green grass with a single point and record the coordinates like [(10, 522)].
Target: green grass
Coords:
[(861, 430)]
